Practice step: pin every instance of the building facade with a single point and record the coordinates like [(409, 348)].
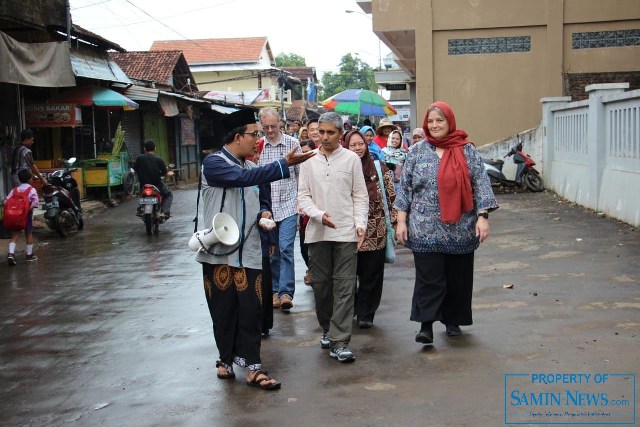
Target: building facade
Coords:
[(493, 60)]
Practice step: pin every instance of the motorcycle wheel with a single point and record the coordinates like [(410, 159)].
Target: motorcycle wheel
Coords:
[(156, 228), (148, 223), (534, 182), (80, 224), (129, 183), (58, 225)]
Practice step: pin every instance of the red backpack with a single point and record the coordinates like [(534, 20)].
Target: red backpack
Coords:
[(16, 210)]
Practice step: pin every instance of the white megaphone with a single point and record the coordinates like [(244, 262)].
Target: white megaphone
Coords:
[(223, 229)]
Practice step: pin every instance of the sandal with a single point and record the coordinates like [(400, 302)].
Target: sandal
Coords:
[(229, 375), (261, 380)]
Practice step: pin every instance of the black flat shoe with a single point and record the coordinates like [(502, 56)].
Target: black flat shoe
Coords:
[(424, 337), (453, 330), (364, 324)]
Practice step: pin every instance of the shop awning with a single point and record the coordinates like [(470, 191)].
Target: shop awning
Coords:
[(35, 64), (94, 64)]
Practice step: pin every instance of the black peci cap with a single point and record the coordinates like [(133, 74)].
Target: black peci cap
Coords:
[(242, 117)]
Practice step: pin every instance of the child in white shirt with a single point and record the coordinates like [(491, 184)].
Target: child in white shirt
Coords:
[(25, 179)]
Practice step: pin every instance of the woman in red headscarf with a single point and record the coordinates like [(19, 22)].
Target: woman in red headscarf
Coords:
[(443, 215)]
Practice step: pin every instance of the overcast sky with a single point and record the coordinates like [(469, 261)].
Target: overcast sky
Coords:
[(319, 30)]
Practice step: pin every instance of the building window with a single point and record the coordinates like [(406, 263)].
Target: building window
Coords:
[(595, 39), (480, 46)]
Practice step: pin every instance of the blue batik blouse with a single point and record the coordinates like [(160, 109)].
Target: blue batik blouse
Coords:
[(418, 197)]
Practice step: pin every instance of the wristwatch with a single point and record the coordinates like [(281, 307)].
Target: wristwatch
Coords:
[(484, 215)]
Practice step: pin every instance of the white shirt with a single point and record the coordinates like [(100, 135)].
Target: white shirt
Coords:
[(333, 184)]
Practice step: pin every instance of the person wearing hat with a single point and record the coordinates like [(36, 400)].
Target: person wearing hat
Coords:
[(232, 274), (382, 132)]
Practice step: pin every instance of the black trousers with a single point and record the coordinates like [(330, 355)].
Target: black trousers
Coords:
[(267, 300), (443, 288), (370, 279), (234, 298)]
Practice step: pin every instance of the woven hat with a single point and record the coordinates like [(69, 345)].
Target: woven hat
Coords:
[(385, 123)]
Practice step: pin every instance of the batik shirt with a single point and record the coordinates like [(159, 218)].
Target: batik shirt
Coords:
[(418, 196)]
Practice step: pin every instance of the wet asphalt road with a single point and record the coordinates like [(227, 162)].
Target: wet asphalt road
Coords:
[(110, 327)]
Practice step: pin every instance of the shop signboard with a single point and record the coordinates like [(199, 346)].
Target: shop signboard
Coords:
[(52, 115)]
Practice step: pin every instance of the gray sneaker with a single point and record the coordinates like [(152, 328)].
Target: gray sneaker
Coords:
[(343, 354), (31, 257), (325, 342)]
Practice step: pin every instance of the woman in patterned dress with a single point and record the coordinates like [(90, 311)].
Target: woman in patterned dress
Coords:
[(443, 215), (370, 270)]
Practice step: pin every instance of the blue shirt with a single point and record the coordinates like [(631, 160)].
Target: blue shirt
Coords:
[(418, 196)]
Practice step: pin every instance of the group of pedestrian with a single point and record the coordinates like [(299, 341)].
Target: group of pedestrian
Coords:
[(439, 209)]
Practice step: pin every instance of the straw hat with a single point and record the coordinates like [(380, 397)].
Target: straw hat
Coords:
[(385, 123)]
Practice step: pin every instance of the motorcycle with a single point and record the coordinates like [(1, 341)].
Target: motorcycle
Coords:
[(149, 209), (62, 200), (526, 175)]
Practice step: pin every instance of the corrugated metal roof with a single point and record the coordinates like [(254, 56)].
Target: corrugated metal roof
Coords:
[(96, 65), (139, 93)]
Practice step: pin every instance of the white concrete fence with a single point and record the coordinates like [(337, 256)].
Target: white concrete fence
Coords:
[(588, 152)]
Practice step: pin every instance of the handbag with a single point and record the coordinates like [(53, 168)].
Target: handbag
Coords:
[(390, 248)]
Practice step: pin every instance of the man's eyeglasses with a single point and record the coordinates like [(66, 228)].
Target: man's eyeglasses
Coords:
[(256, 134), (267, 127)]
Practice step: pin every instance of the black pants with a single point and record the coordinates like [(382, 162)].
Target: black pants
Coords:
[(370, 280), (304, 248), (267, 300), (443, 288), (235, 305)]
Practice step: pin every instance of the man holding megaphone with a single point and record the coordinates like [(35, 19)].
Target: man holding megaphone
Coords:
[(232, 274)]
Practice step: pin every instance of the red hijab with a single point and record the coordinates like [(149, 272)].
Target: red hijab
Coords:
[(454, 183)]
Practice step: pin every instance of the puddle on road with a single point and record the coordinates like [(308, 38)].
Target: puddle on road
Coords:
[(559, 254), (496, 305), (601, 305), (515, 265)]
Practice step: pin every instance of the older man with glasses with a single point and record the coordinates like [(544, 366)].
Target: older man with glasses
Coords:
[(284, 194)]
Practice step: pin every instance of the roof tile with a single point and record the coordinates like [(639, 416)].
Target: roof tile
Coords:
[(213, 51), (155, 66)]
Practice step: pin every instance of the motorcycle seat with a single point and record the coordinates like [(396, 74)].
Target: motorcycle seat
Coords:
[(493, 162)]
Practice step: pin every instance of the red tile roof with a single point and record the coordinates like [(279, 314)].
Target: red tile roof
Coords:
[(216, 51), (156, 66)]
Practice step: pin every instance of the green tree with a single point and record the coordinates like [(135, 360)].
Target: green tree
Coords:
[(290, 60), (354, 74)]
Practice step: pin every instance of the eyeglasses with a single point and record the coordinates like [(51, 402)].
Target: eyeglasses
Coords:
[(256, 134), (417, 137), (267, 127)]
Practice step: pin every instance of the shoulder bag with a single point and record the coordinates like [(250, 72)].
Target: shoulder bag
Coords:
[(390, 248)]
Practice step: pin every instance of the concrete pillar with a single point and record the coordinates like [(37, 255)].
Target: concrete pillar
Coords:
[(414, 119), (596, 137), (548, 103)]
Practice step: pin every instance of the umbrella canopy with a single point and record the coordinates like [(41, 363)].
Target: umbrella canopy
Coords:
[(359, 101), (95, 96)]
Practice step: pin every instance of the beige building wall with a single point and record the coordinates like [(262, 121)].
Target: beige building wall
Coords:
[(228, 80), (496, 95)]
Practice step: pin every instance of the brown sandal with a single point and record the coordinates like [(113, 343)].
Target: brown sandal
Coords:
[(260, 380), (229, 375)]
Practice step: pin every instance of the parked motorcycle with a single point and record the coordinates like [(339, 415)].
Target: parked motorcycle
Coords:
[(62, 200), (149, 209), (526, 175)]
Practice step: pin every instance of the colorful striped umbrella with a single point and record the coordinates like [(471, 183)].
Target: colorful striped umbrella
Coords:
[(97, 97), (359, 102)]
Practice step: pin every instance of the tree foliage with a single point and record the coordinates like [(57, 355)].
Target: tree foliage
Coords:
[(354, 74), (290, 60)]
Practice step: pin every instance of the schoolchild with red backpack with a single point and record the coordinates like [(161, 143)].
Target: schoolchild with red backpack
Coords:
[(18, 215)]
